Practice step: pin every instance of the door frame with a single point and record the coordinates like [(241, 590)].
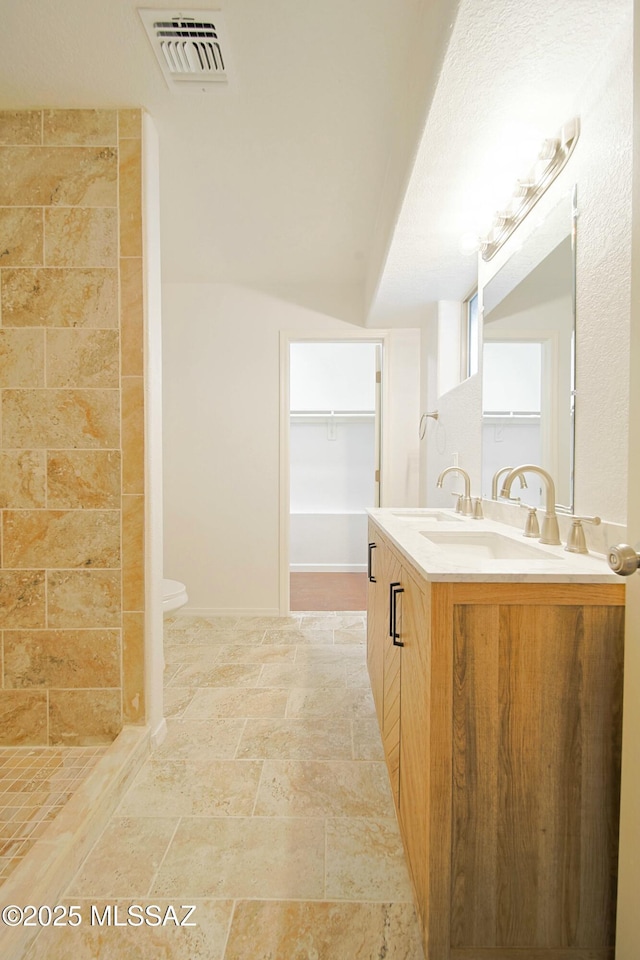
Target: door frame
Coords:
[(628, 917), (286, 339)]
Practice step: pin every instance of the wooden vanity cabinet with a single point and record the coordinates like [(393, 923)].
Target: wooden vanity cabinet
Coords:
[(505, 758)]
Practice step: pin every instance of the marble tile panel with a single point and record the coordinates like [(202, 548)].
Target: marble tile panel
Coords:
[(129, 123), (177, 654), (21, 126), (60, 298), (200, 740), (358, 675), (80, 237), (205, 940), (83, 598), (187, 628), (217, 675), (22, 599), (133, 684), (321, 702), (295, 740), (277, 930), (80, 127), (130, 197), (84, 717), (132, 435), (332, 788), (249, 653), (176, 700), (365, 861), (291, 622), (133, 553), (333, 621), (367, 743), (235, 702), (61, 538), (21, 237), (203, 788), (244, 857), (58, 176), (309, 655), (125, 859), (22, 479), (21, 358), (132, 317), (23, 717), (348, 635), (296, 635), (86, 479), (303, 675), (62, 658), (82, 358), (170, 670), (237, 637), (316, 614), (60, 419)]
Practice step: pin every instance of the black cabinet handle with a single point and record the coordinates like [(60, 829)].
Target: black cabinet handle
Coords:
[(394, 590), (372, 547)]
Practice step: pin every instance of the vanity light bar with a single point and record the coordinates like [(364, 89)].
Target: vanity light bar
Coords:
[(553, 156)]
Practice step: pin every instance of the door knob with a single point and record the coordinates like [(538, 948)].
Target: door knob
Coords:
[(623, 559)]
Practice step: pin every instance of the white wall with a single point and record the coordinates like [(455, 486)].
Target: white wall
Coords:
[(332, 376), (601, 167), (332, 466), (457, 433), (222, 409)]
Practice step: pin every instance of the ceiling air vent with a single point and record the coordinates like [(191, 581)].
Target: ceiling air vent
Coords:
[(190, 46)]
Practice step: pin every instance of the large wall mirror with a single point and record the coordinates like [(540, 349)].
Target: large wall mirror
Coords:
[(528, 359)]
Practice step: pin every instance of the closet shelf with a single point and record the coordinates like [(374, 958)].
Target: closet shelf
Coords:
[(313, 415)]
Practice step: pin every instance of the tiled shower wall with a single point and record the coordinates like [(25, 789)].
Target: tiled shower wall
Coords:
[(71, 455)]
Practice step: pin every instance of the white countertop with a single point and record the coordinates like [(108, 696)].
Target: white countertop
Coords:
[(410, 528)]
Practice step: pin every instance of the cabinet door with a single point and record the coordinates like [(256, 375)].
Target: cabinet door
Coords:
[(377, 617), (383, 658), (414, 741), (537, 692), (391, 685)]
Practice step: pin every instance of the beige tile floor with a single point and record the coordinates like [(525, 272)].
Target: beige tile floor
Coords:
[(267, 807)]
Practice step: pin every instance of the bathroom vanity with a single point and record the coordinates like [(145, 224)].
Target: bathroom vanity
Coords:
[(500, 709)]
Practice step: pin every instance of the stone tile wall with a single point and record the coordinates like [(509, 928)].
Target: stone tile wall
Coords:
[(72, 440)]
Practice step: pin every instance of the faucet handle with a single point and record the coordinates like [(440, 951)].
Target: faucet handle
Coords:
[(576, 542), (531, 525), (478, 513), (458, 502)]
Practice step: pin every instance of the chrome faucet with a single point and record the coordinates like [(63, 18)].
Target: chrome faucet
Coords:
[(550, 533), (467, 505), (496, 478)]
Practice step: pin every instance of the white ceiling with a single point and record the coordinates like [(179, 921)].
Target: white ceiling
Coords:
[(290, 175), (272, 179), (511, 78)]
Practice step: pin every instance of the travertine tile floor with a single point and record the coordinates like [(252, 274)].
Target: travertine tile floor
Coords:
[(268, 807)]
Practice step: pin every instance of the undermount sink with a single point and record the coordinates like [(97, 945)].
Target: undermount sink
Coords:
[(427, 515), (483, 545)]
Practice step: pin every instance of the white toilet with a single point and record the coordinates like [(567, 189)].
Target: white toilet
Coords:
[(174, 595)]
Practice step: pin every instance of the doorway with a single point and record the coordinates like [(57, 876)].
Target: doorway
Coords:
[(333, 470)]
